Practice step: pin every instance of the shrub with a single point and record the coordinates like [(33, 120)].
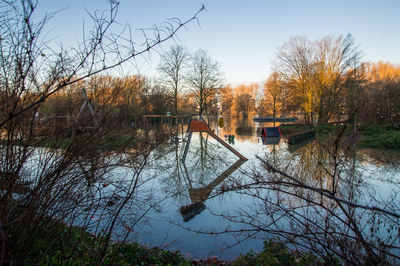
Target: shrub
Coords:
[(276, 253)]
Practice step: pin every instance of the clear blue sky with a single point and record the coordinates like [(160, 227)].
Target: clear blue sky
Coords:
[(243, 36)]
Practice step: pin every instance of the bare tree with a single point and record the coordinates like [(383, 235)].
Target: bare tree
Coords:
[(42, 189), (172, 64), (204, 79), (314, 72), (322, 199), (294, 64), (244, 99), (334, 58), (40, 69)]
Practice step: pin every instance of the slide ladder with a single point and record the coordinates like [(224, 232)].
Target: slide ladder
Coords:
[(188, 138)]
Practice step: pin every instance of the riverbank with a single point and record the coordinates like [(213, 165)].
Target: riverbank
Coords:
[(367, 137), (379, 137), (74, 246), (106, 143)]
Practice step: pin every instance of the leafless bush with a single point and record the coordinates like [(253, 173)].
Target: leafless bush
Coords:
[(322, 198), (47, 181)]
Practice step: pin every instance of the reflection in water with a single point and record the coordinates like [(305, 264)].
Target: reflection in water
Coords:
[(324, 196), (292, 148), (244, 127), (199, 195), (211, 196), (271, 140)]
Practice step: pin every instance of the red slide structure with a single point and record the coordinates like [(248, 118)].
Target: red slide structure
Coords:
[(199, 125)]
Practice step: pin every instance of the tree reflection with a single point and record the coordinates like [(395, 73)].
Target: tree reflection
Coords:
[(323, 198), (199, 174), (199, 195)]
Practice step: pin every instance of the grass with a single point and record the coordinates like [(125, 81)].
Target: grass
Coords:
[(294, 128), (325, 130), (74, 246), (107, 143), (276, 253), (379, 137), (321, 130), (297, 132), (301, 136)]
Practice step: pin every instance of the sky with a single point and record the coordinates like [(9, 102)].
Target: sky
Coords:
[(243, 36)]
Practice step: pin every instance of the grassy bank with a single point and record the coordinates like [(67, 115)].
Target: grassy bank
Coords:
[(276, 253), (106, 143), (294, 128), (379, 137), (63, 245), (74, 246), (296, 133), (369, 137), (321, 130)]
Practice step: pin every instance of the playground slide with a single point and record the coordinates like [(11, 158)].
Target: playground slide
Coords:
[(201, 126)]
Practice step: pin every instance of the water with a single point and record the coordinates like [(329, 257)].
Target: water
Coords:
[(199, 182), (192, 207)]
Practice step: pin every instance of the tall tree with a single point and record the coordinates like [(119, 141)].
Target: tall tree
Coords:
[(204, 79), (226, 100), (335, 56), (273, 93), (294, 64), (381, 94), (313, 72), (244, 99), (172, 64)]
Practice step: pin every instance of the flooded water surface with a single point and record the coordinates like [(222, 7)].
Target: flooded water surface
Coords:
[(211, 205)]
